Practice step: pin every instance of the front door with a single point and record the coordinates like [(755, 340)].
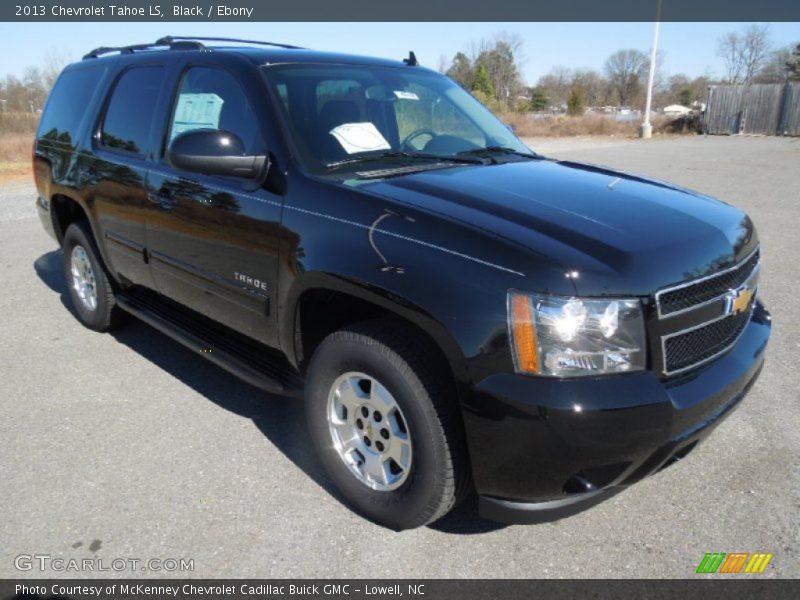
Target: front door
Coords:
[(213, 242)]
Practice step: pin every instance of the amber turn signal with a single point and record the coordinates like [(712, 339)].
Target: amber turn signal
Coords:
[(523, 333)]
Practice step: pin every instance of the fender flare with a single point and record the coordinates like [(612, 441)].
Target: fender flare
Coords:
[(385, 299)]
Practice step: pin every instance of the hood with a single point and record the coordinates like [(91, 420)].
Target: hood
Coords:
[(613, 232)]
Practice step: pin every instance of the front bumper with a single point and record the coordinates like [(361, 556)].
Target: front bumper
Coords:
[(545, 448)]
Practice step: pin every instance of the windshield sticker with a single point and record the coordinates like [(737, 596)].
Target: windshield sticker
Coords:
[(406, 95), (196, 111), (360, 137)]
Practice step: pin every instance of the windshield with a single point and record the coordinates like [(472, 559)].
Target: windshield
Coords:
[(343, 116)]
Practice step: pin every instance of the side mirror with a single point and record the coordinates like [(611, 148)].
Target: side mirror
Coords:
[(214, 152)]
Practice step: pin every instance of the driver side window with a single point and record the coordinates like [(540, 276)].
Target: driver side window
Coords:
[(212, 99)]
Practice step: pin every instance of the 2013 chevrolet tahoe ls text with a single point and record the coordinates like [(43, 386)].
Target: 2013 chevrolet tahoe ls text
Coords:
[(460, 313)]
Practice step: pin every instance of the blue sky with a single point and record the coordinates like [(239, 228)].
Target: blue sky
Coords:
[(688, 47)]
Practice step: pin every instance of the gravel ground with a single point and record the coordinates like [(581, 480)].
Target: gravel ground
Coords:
[(130, 446)]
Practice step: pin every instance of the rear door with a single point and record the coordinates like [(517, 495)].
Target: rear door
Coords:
[(214, 242), (114, 177)]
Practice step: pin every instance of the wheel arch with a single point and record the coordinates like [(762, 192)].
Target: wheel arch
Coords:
[(66, 210), (323, 303)]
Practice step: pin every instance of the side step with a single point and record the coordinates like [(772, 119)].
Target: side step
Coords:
[(244, 357)]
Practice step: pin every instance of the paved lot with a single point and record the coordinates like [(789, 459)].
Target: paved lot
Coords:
[(128, 445)]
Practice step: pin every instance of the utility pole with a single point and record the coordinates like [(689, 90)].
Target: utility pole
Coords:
[(646, 130)]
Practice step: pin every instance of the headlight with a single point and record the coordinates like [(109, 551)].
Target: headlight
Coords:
[(567, 337)]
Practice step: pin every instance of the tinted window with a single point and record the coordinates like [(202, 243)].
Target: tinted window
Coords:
[(283, 93), (67, 103), (130, 113), (213, 99), (337, 90)]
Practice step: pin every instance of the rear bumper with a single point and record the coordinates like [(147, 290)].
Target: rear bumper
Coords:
[(543, 449), (43, 210)]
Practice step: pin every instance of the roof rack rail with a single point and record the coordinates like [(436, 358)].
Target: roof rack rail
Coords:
[(178, 42), (170, 39), (178, 45)]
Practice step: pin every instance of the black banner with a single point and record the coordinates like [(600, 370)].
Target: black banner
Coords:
[(431, 589), (405, 10)]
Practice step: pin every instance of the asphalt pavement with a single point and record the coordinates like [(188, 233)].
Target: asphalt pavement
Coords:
[(128, 446)]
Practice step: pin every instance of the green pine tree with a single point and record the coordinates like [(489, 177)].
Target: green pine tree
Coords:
[(539, 101), (483, 83)]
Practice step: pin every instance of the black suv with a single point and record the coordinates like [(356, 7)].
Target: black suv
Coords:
[(459, 312)]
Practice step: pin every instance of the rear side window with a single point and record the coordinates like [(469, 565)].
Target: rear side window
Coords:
[(129, 117), (67, 104)]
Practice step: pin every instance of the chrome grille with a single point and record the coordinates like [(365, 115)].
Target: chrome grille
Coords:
[(687, 296), (699, 320), (694, 347)]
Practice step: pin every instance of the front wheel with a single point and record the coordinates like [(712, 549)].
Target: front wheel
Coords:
[(384, 421)]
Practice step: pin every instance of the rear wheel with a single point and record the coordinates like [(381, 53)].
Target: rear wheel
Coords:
[(384, 421), (89, 288)]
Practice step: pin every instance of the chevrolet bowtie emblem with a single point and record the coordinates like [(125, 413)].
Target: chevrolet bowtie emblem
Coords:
[(738, 300)]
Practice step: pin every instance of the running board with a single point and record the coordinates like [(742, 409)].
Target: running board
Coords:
[(242, 356)]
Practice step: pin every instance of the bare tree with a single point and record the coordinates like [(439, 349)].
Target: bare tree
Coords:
[(54, 63), (624, 70), (442, 64), (756, 48), (659, 79), (729, 50), (35, 87), (592, 85), (30, 92), (556, 85), (502, 59), (793, 64), (744, 54), (775, 68), (517, 45)]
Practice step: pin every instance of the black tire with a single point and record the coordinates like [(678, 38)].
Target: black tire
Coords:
[(414, 375), (106, 314)]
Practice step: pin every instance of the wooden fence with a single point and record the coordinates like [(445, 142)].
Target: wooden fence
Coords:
[(768, 109)]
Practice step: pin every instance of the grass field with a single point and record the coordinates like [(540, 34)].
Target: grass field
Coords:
[(15, 156), (565, 126), (16, 139)]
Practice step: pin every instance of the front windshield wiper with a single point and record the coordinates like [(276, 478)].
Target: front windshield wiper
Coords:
[(498, 150), (404, 155)]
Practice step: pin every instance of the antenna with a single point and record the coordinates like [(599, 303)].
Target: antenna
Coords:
[(411, 61)]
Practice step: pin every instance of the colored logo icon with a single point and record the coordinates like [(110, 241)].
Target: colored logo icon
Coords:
[(737, 562)]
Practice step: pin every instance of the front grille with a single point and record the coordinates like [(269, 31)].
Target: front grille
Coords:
[(699, 345), (687, 296), (700, 320)]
